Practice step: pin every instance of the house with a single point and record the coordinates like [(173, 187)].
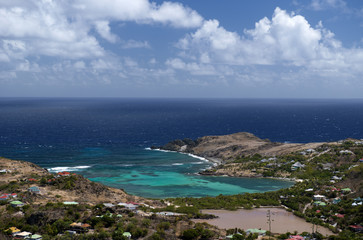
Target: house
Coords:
[(32, 180), (255, 230), (13, 230), (34, 189), (318, 197), (80, 227), (168, 214), (36, 237), (338, 215), (346, 190), (64, 174), (108, 205), (3, 170), (70, 203), (356, 228), (319, 203), (71, 232), (309, 190), (128, 206), (336, 178), (336, 200), (232, 235), (346, 152), (296, 166), (127, 235), (16, 204), (4, 197), (357, 201), (23, 235), (296, 237), (327, 166), (50, 181)]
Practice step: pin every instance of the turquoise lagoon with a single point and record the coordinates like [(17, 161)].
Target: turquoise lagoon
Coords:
[(159, 174)]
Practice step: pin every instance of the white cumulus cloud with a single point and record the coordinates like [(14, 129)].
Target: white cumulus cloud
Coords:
[(284, 40), (64, 28)]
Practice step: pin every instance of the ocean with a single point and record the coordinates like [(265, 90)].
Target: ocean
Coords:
[(107, 140)]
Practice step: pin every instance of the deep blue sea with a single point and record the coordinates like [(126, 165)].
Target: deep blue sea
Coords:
[(106, 140)]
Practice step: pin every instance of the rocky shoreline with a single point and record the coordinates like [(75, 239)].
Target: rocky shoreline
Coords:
[(222, 150)]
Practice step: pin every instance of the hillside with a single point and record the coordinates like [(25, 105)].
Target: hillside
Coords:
[(228, 147)]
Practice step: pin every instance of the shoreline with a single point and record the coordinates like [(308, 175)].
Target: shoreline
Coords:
[(217, 162)]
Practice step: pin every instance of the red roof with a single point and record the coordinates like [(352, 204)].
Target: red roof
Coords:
[(356, 226), (32, 180), (318, 211), (297, 237), (63, 173), (339, 215), (4, 197)]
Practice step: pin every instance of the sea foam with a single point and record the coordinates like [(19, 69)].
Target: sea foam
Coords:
[(68, 169)]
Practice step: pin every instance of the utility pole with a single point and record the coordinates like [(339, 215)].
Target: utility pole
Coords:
[(312, 231), (269, 220)]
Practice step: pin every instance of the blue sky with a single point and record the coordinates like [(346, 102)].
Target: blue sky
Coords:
[(190, 48)]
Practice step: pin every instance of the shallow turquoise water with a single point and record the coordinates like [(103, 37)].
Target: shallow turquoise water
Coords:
[(157, 174)]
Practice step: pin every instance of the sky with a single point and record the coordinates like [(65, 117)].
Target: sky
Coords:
[(181, 49)]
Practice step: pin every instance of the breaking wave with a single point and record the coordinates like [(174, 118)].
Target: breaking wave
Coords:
[(67, 169)]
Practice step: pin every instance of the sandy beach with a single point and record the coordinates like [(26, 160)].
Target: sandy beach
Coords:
[(283, 221)]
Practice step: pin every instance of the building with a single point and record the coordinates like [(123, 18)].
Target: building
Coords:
[(16, 204), (255, 230), (319, 203), (346, 190), (356, 228), (108, 205), (70, 203), (4, 197), (80, 227), (34, 189), (14, 230), (296, 166), (23, 235), (296, 237), (64, 174), (319, 197), (127, 235), (128, 206), (36, 237)]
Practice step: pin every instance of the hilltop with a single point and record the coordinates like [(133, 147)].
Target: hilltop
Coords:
[(227, 147)]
